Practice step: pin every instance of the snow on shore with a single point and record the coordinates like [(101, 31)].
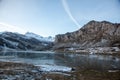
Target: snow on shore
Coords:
[(54, 68)]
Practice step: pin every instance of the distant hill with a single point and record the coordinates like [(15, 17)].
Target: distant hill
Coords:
[(16, 41)]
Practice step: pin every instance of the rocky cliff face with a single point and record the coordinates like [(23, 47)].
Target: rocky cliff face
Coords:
[(15, 41), (93, 34)]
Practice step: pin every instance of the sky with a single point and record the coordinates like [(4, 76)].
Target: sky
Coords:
[(52, 17)]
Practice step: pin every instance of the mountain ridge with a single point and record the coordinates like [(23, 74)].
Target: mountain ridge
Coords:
[(16, 41), (41, 38), (91, 35)]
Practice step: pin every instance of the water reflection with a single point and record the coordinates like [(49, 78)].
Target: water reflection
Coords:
[(97, 62)]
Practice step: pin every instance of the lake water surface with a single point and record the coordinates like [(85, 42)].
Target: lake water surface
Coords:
[(83, 61)]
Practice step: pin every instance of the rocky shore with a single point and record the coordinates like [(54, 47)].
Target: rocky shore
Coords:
[(23, 71), (97, 50), (19, 71)]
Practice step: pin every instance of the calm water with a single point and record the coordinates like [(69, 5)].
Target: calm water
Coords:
[(83, 61)]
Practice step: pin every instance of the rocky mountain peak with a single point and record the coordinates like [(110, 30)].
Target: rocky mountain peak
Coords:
[(93, 34)]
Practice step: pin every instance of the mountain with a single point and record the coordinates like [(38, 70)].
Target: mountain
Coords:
[(16, 41), (93, 34), (45, 39)]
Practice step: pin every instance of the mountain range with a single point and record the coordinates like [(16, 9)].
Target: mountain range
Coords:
[(29, 41), (91, 35)]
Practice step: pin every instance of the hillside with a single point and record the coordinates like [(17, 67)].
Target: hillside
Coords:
[(16, 41), (93, 34)]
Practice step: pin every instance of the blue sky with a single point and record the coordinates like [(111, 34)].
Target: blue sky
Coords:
[(51, 17)]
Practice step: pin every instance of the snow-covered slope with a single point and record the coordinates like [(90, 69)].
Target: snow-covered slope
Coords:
[(18, 41), (36, 36)]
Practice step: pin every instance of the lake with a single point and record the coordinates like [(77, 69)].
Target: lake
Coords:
[(50, 61)]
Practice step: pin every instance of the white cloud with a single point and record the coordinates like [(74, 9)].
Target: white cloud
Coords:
[(11, 28)]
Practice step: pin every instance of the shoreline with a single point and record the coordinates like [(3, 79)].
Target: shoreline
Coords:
[(24, 71), (19, 71), (100, 53), (61, 51)]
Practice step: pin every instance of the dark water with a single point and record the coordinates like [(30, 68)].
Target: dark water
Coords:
[(83, 61)]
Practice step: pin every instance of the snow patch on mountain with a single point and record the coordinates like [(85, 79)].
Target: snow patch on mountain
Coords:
[(24, 42), (41, 38)]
